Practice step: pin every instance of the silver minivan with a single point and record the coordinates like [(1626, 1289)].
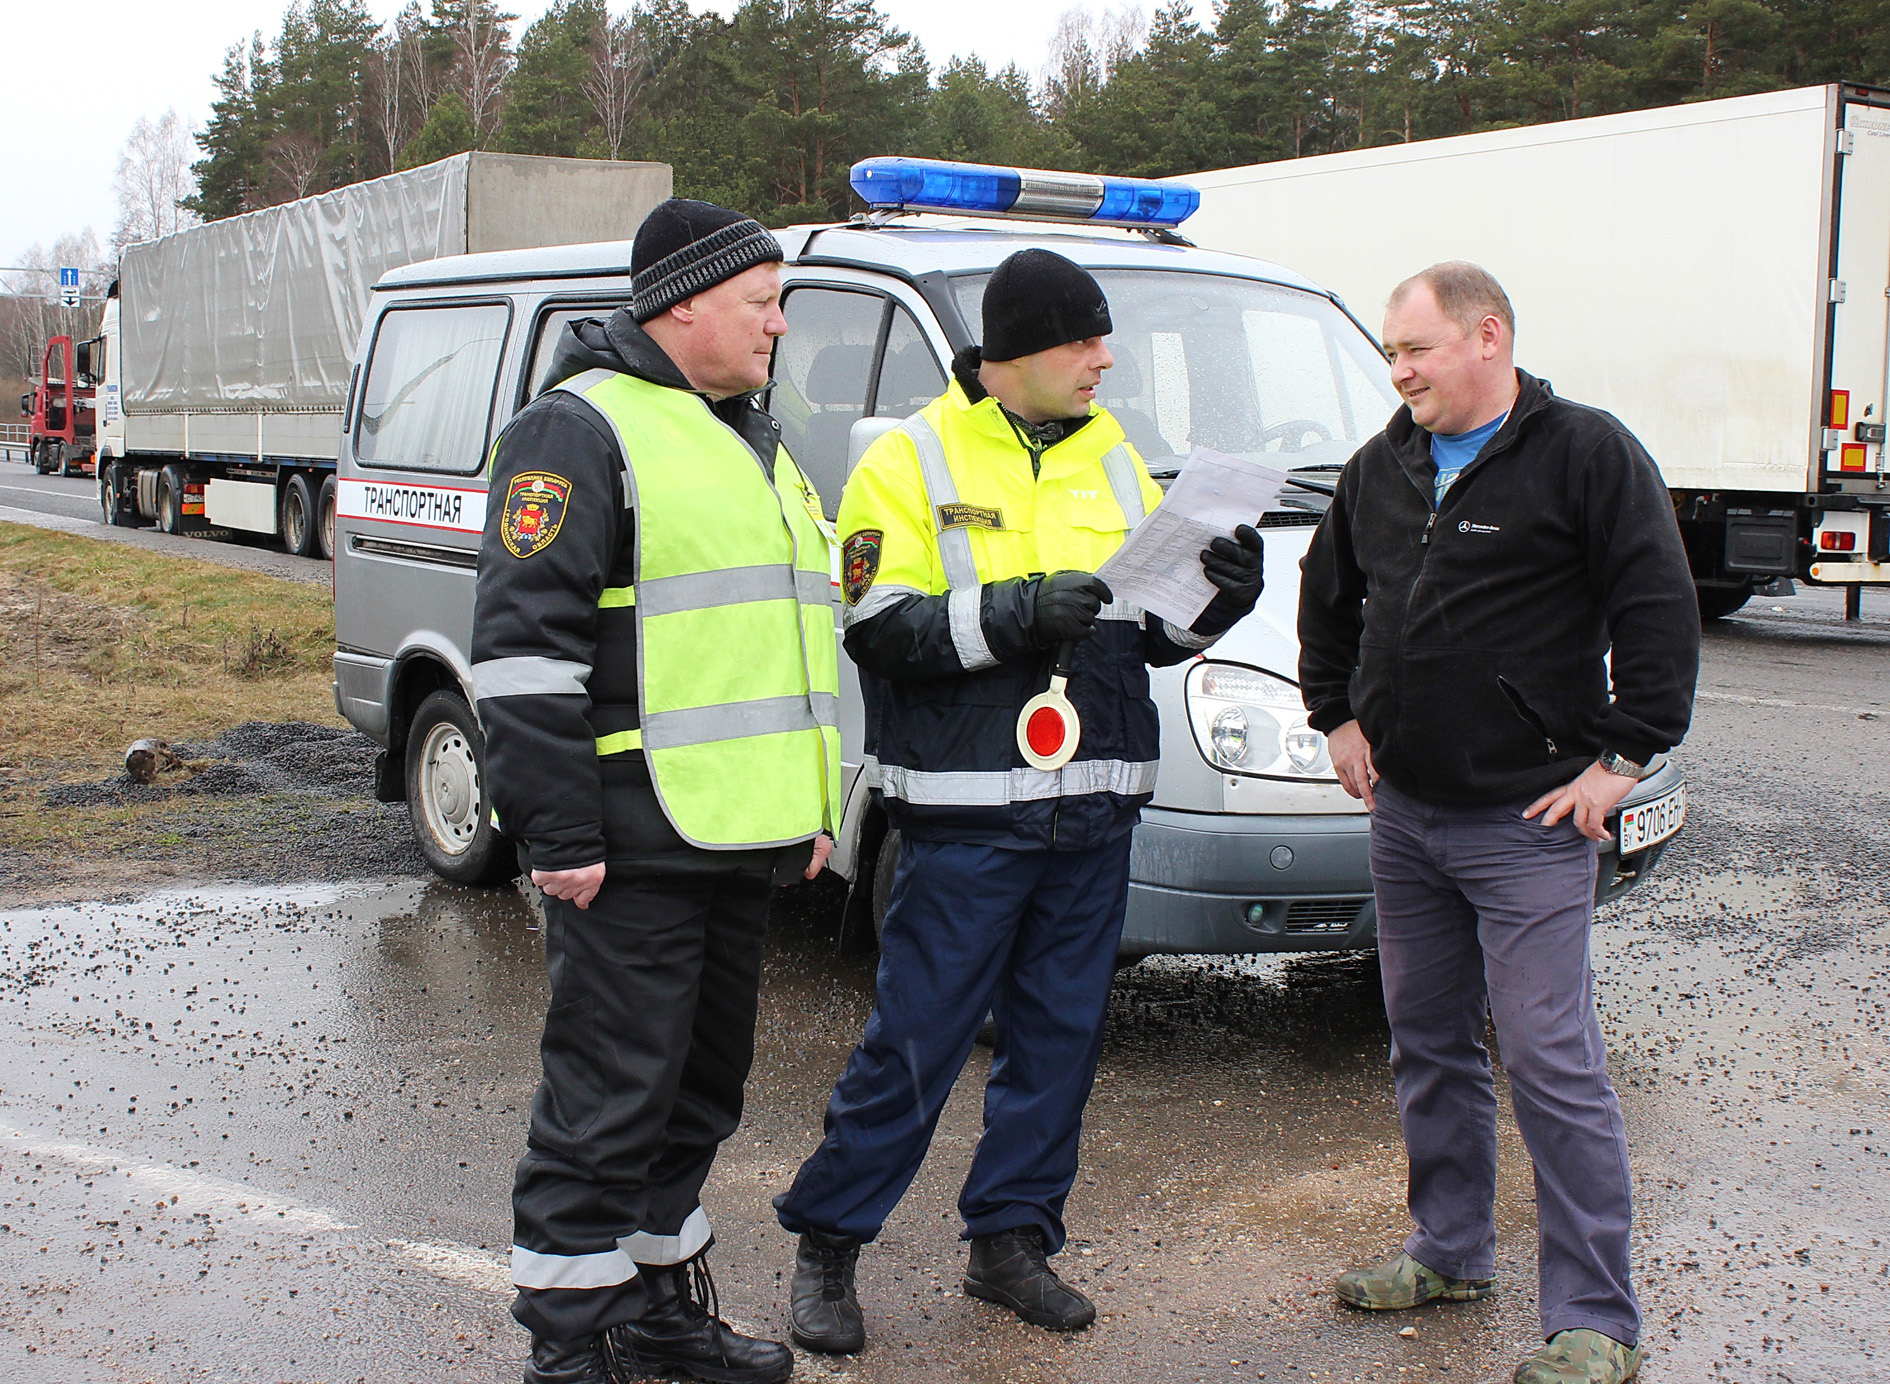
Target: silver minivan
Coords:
[(1250, 844)]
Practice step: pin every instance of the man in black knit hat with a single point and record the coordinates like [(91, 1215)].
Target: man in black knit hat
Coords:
[(654, 661), (1013, 877)]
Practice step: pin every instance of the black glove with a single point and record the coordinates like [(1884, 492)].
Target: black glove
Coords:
[(1067, 604), (1234, 565)]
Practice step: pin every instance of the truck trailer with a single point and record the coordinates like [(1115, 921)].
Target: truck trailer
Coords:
[(1713, 274), (228, 349)]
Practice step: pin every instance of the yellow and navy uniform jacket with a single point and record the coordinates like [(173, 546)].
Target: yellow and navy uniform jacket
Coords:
[(555, 664), (946, 523)]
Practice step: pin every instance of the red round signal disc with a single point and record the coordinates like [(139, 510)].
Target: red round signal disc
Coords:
[(1046, 729)]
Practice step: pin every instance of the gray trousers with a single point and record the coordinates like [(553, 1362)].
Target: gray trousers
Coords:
[(1483, 916)]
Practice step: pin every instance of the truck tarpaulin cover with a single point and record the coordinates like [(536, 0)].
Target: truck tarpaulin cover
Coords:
[(264, 310)]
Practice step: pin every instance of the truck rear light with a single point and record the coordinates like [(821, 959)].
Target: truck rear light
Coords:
[(1837, 541)]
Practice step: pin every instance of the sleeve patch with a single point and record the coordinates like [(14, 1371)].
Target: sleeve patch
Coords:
[(535, 504), (859, 563)]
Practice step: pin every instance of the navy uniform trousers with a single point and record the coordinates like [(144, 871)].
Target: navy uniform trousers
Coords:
[(1029, 936)]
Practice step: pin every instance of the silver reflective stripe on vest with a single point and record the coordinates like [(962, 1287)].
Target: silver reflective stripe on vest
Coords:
[(528, 677), (721, 586), (1186, 639), (605, 1269), (1123, 481), (954, 545), (703, 725), (1122, 610), (875, 601), (813, 588), (1001, 787), (576, 386), (965, 608)]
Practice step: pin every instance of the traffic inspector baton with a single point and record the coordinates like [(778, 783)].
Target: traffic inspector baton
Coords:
[(1048, 728)]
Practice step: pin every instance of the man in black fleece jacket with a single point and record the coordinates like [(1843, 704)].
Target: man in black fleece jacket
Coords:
[(1488, 561)]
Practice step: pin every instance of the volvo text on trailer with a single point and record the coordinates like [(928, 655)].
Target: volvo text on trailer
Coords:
[(1712, 274), (228, 349)]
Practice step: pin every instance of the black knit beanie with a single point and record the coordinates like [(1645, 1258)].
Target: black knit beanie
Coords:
[(1036, 300), (684, 247)]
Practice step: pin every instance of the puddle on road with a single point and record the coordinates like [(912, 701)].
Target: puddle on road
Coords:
[(177, 1069)]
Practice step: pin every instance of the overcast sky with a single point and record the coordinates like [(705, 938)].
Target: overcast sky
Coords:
[(81, 77)]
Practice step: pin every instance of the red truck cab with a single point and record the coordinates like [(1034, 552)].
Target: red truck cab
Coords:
[(62, 435)]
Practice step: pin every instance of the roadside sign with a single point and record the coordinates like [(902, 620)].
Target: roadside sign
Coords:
[(68, 288)]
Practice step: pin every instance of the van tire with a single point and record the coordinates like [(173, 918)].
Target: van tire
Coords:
[(885, 866), (297, 523), (447, 800), (325, 508), (170, 500)]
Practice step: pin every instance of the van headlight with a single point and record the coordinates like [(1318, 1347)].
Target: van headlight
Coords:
[(1249, 722)]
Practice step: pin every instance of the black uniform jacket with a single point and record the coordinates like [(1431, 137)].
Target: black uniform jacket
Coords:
[(1469, 639), (552, 792)]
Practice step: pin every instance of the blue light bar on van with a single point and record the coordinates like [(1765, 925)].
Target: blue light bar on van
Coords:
[(976, 189)]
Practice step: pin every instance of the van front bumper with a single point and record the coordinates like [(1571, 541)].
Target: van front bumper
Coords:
[(1219, 883)]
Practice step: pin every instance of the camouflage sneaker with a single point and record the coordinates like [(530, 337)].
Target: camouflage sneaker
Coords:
[(1581, 1356), (1402, 1282)]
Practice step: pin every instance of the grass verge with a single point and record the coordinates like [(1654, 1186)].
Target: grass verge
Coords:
[(102, 644)]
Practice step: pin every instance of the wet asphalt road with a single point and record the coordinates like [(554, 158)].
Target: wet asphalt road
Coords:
[(70, 505), (266, 1133)]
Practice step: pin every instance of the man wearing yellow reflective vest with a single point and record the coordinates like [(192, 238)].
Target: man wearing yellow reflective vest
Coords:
[(654, 660), (1012, 880)]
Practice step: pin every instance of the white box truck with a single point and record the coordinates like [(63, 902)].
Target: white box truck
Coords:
[(228, 349), (1714, 275)]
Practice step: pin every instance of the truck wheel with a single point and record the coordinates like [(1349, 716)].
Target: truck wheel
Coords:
[(446, 796), (38, 455), (1717, 602), (119, 509), (170, 500), (325, 520), (298, 516), (66, 467)]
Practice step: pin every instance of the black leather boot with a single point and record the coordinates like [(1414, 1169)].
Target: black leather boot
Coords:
[(1011, 1269), (681, 1331), (568, 1362), (826, 1310)]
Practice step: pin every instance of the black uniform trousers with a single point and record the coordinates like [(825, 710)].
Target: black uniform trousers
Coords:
[(647, 1046)]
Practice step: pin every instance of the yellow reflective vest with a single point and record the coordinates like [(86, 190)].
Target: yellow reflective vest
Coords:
[(944, 522), (732, 602)]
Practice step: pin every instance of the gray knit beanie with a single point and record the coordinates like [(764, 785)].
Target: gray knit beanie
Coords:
[(685, 246)]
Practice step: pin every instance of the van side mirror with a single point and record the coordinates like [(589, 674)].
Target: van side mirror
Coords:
[(864, 434)]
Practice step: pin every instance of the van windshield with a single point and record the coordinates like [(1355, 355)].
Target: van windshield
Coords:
[(1207, 360)]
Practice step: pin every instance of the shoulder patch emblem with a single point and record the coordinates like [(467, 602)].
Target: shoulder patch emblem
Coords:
[(859, 563), (969, 517), (534, 509)]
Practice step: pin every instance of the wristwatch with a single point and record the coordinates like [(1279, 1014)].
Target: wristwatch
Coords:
[(1626, 768)]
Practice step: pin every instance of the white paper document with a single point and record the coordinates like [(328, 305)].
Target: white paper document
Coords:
[(1158, 566)]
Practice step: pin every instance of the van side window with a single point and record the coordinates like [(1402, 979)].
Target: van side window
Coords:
[(427, 403), (551, 327), (909, 377), (821, 370)]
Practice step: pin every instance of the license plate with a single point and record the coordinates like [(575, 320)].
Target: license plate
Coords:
[(1647, 823)]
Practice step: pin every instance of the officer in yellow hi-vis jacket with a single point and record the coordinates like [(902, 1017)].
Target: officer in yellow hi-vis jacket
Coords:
[(1013, 879), (653, 654)]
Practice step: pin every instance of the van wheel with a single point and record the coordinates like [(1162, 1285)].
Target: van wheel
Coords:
[(325, 520), (446, 795), (885, 865), (170, 500), (298, 516)]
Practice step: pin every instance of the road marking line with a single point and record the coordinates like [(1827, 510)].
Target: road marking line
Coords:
[(195, 1192), (1739, 700)]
